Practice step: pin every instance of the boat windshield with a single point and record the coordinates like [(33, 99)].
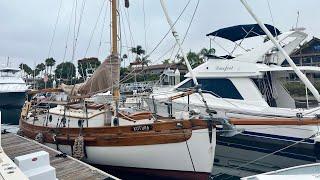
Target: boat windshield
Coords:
[(220, 87), (8, 72)]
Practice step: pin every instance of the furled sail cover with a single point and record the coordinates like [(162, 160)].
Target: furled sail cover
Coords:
[(104, 78), (235, 33)]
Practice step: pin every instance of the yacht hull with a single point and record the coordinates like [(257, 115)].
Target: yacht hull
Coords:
[(10, 106), (12, 99)]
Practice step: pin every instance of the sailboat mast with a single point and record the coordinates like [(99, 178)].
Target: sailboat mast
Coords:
[(114, 52), (114, 28)]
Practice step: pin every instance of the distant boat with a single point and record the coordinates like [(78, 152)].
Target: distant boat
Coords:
[(12, 88), (12, 93)]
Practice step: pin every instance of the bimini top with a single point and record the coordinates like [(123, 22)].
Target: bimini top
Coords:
[(235, 33)]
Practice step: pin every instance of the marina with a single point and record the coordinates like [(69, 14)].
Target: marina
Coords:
[(163, 92)]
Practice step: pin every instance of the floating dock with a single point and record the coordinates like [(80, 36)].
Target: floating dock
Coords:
[(67, 168)]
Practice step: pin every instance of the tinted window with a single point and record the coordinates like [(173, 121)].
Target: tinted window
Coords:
[(306, 60), (296, 61), (316, 59), (222, 87)]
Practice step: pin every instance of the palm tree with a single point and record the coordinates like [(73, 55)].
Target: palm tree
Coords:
[(207, 52), (50, 62), (145, 62), (194, 59), (41, 67), (26, 68), (21, 66), (138, 50), (35, 72)]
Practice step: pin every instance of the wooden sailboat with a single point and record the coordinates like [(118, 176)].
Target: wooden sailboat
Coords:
[(164, 146), (106, 136)]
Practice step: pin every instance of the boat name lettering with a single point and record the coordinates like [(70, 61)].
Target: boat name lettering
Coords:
[(142, 128), (224, 68)]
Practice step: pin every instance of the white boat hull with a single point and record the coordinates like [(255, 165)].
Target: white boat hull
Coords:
[(171, 157)]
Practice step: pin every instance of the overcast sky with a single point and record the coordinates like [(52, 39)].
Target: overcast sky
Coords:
[(26, 27)]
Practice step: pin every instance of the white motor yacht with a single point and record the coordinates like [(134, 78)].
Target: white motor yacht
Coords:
[(12, 88), (249, 86)]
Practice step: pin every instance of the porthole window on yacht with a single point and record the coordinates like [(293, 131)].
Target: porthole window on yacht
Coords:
[(219, 87)]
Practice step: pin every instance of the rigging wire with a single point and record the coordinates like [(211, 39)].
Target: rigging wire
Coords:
[(68, 32), (184, 38), (125, 35), (68, 35), (174, 23), (144, 25), (54, 29), (126, 12), (274, 27), (158, 44), (102, 28), (77, 32), (94, 28), (127, 77)]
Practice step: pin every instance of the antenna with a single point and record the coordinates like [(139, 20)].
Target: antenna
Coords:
[(298, 14), (8, 61)]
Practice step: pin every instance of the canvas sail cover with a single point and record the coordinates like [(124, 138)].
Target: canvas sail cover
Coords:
[(105, 77)]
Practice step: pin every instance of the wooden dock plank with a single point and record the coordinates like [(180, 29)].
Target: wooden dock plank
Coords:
[(66, 168)]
